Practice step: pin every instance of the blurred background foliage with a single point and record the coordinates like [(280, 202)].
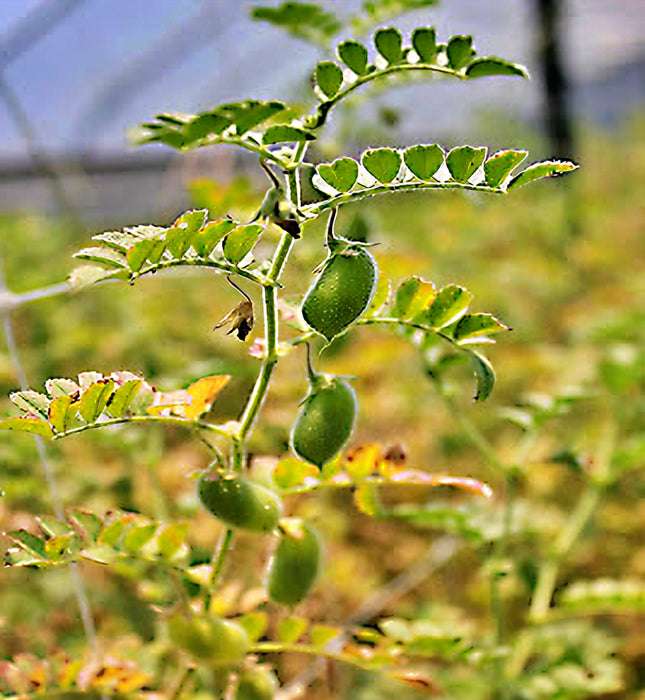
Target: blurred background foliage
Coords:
[(561, 263)]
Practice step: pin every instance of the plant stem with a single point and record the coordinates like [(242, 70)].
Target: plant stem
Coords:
[(218, 560)]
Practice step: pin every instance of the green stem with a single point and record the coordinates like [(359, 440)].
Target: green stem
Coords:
[(313, 210), (325, 107), (218, 560), (168, 420)]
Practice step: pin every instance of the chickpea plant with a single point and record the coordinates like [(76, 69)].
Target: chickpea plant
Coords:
[(221, 652)]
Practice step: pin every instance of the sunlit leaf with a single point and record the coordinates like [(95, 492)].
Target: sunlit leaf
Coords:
[(30, 543), (89, 524), (31, 402), (285, 133), (474, 325), (366, 499), (354, 55), (36, 426), (413, 295), (463, 161), (180, 236), (383, 163), (240, 241), (492, 66), (62, 412), (255, 624), (87, 275), (103, 255), (123, 396), (484, 376), (203, 393), (53, 526), (381, 295), (206, 239), (290, 629), (94, 400), (322, 635), (341, 174), (61, 387), (500, 165), (449, 305), (290, 473), (547, 168), (388, 43), (136, 537), (147, 248), (363, 461), (329, 78), (424, 161), (170, 540)]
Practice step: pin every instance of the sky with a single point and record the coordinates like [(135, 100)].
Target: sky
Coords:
[(110, 65)]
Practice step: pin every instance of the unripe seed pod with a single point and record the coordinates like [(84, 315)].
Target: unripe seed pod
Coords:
[(258, 683), (295, 564), (325, 420), (239, 502), (221, 642), (342, 292)]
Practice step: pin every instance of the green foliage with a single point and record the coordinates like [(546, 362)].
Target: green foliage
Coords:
[(202, 607)]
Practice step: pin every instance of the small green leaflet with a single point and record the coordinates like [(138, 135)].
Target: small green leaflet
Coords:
[(302, 19), (62, 412), (472, 326), (500, 165), (36, 426), (105, 256), (211, 235), (94, 400), (547, 168), (388, 43), (329, 78), (464, 160), (240, 241), (341, 174), (449, 305), (382, 163), (354, 56), (31, 402), (424, 41), (484, 376), (460, 51), (424, 161), (413, 296), (492, 66), (285, 133)]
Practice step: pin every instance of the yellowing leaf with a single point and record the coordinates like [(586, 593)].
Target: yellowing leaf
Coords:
[(363, 460), (192, 402)]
